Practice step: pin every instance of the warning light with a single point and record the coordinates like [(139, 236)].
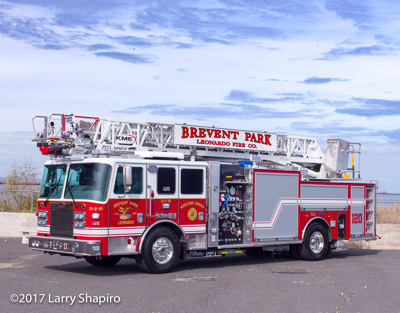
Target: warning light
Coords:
[(44, 149)]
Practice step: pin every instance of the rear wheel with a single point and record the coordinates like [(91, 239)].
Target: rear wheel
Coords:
[(160, 253), (315, 244), (103, 260)]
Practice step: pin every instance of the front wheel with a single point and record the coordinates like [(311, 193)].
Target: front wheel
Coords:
[(315, 243), (160, 253), (103, 260)]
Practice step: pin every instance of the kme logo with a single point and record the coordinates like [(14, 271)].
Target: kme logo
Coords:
[(125, 139)]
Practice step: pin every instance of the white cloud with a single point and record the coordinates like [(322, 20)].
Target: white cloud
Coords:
[(185, 59)]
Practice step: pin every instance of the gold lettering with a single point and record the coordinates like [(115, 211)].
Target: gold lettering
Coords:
[(121, 203), (134, 204), (199, 204), (126, 222)]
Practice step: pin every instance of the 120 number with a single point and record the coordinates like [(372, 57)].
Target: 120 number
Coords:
[(356, 218)]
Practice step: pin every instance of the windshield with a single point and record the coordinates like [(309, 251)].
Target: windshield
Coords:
[(52, 181), (88, 181)]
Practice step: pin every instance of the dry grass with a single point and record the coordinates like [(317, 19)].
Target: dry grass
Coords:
[(388, 214)]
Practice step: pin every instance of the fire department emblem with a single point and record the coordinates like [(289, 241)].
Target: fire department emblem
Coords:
[(192, 214), (125, 214)]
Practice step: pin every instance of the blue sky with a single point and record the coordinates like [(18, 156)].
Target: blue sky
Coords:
[(327, 69)]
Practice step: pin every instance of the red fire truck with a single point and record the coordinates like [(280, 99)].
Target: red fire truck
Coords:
[(162, 192)]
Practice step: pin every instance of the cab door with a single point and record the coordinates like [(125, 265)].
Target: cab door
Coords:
[(127, 209), (162, 193), (192, 204)]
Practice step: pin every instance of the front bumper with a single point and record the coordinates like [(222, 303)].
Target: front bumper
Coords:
[(67, 246)]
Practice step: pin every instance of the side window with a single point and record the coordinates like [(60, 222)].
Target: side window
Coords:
[(137, 181), (166, 181), (191, 181)]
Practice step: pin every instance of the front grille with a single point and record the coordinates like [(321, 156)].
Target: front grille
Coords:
[(61, 219)]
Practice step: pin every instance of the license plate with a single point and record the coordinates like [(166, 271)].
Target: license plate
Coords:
[(56, 245)]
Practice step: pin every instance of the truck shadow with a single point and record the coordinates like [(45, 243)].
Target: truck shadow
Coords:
[(280, 258), (128, 266), (354, 252)]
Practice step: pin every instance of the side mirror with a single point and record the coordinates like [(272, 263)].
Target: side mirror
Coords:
[(127, 178), (47, 191)]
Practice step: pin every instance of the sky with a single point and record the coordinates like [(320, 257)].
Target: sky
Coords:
[(324, 69)]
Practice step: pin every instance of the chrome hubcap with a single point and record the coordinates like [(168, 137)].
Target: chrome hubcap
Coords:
[(162, 250), (317, 242)]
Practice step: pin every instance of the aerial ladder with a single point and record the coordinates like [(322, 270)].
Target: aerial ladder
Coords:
[(63, 135)]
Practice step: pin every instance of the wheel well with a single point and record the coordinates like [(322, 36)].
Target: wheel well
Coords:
[(174, 227), (318, 220)]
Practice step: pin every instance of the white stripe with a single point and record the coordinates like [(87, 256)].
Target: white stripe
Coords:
[(198, 225), (131, 227), (323, 201), (283, 202), (193, 229), (43, 229), (275, 214), (97, 236), (93, 232), (357, 202), (345, 202), (194, 232), (126, 232), (97, 232)]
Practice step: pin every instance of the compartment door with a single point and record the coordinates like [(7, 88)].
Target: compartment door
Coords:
[(275, 206)]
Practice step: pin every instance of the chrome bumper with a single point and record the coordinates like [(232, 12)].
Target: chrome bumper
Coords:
[(69, 246)]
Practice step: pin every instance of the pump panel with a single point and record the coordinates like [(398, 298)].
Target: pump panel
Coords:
[(231, 214)]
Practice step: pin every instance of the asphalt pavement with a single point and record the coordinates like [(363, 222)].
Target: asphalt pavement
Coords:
[(350, 281)]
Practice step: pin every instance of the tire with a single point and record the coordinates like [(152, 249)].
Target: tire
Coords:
[(315, 243), (103, 260), (161, 251)]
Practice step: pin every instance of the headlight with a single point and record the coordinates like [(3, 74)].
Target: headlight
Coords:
[(42, 214), (79, 215), (79, 224), (42, 222)]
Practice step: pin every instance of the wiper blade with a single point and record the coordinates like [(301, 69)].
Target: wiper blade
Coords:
[(72, 196), (51, 192)]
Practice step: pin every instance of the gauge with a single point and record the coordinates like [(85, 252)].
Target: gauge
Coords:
[(226, 226), (232, 191)]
